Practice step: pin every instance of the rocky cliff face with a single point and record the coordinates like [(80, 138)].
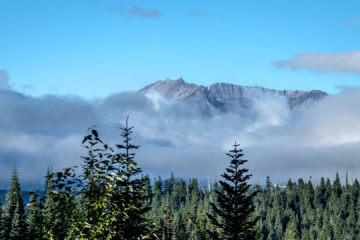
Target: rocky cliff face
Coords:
[(226, 97)]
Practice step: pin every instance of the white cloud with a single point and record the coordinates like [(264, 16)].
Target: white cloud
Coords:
[(345, 62), (38, 132)]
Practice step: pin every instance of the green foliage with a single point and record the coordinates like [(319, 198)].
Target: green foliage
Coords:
[(326, 211), (63, 208), (299, 211), (14, 219), (34, 219), (291, 232), (105, 199), (2, 226), (132, 191), (235, 203)]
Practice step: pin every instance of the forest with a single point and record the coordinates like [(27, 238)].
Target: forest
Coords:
[(108, 197)]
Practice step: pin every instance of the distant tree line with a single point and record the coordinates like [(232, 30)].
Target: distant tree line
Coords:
[(108, 198), (301, 210)]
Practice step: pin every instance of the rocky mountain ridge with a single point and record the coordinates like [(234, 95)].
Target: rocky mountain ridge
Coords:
[(226, 97)]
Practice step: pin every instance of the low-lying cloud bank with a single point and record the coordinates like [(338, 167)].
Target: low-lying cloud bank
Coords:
[(345, 62), (39, 132)]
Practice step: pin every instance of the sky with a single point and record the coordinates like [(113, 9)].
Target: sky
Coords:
[(67, 65), (94, 48)]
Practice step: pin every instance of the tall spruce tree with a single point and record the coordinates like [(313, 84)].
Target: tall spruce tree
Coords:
[(49, 208), (14, 220), (34, 217), (132, 188), (234, 206)]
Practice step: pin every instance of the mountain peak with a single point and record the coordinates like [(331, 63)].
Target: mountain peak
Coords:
[(178, 89), (180, 80), (226, 96)]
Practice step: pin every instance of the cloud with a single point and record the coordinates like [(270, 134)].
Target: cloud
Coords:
[(344, 62), (195, 13), (50, 115), (4, 80), (351, 21), (115, 9), (37, 132), (135, 11)]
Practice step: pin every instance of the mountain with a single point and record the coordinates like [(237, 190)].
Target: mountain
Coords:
[(227, 97)]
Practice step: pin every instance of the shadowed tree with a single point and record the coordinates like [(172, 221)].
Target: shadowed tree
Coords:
[(133, 188), (234, 205)]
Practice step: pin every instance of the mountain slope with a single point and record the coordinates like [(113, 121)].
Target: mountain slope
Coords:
[(227, 97)]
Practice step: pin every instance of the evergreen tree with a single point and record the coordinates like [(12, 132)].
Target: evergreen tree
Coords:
[(179, 231), (49, 208), (34, 217), (14, 220), (64, 206), (168, 221), (132, 188), (235, 204), (106, 200), (2, 226), (291, 232)]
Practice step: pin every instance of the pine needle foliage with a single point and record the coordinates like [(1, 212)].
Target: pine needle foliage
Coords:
[(34, 218), (132, 188), (234, 204), (105, 199), (14, 214)]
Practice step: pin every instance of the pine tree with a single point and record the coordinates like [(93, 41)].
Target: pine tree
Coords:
[(48, 210), (133, 189), (34, 217), (2, 226), (14, 222), (291, 232), (167, 214), (235, 204), (179, 231)]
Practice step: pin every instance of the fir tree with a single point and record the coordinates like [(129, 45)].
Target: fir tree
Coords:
[(34, 217), (235, 204), (291, 232), (14, 222), (48, 211), (132, 188), (179, 231)]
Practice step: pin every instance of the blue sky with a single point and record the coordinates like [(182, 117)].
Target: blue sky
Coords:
[(96, 48)]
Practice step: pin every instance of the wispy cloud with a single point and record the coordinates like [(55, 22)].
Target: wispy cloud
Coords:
[(136, 11), (351, 20), (4, 80), (345, 62), (115, 9), (194, 13)]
